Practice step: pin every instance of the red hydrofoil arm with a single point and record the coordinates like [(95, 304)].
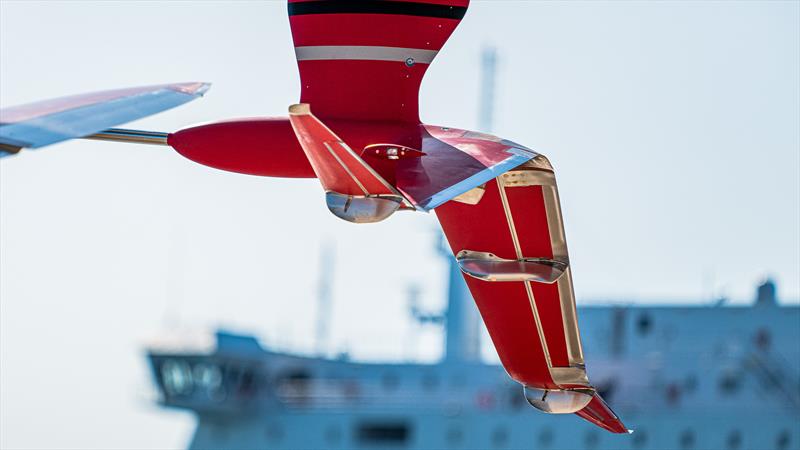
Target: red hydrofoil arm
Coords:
[(600, 414), (511, 246), (354, 191), (338, 168)]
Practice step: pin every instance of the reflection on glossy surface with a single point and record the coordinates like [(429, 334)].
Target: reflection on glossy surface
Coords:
[(557, 401), (489, 267), (358, 209)]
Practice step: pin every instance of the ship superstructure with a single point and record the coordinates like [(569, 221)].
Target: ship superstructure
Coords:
[(687, 377), (684, 377)]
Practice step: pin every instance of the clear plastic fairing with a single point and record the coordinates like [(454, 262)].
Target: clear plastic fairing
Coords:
[(558, 401), (362, 209)]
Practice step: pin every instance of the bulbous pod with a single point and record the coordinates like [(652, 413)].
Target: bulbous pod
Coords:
[(362, 209), (265, 146), (558, 401)]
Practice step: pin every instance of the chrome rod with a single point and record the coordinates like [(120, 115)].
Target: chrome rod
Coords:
[(134, 136)]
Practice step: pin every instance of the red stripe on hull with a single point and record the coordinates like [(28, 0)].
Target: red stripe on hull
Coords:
[(462, 3)]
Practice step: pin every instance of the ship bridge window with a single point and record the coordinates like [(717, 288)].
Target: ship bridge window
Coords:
[(734, 440), (295, 385), (247, 383), (644, 324), (690, 383), (297, 376), (783, 440), (687, 439), (499, 437), (763, 339), (430, 382), (295, 382), (591, 439), (207, 376), (455, 435), (390, 381), (176, 376), (639, 439), (607, 388), (386, 433), (546, 437), (729, 383)]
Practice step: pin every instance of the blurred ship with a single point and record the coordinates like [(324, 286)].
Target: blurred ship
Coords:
[(684, 377)]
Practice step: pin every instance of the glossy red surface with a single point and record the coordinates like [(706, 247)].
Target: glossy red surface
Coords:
[(600, 414), (530, 220), (366, 101), (338, 168), (504, 306), (257, 146), (367, 90), (269, 147), (363, 102)]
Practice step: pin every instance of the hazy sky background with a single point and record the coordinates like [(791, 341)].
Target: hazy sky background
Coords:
[(673, 127)]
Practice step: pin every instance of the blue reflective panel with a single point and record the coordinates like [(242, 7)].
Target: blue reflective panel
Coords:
[(94, 117), (485, 175)]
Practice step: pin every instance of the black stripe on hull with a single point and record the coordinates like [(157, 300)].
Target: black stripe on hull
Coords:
[(377, 7)]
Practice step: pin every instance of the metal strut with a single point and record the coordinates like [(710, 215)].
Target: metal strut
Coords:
[(133, 136)]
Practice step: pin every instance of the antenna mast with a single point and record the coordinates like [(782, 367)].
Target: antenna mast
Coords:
[(324, 285), (488, 69)]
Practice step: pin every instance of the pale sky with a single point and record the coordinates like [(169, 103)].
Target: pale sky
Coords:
[(673, 127)]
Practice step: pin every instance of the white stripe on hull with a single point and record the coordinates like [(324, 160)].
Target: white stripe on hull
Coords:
[(365, 53)]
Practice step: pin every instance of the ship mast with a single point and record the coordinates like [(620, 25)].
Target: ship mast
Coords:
[(462, 323), (324, 299), (486, 107)]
